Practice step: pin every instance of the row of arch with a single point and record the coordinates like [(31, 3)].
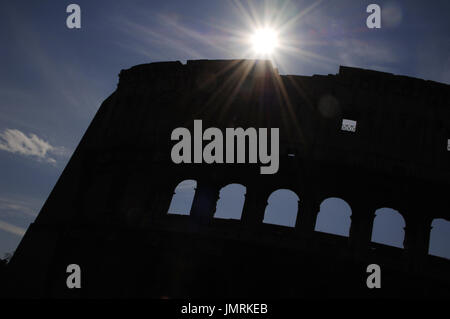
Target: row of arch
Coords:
[(333, 217)]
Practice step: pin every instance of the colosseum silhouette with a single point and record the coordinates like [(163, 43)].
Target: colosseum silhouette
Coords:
[(108, 212)]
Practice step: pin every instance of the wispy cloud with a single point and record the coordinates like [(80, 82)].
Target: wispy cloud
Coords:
[(64, 80), (10, 228), (356, 51), (165, 36), (15, 141), (10, 206), (17, 212)]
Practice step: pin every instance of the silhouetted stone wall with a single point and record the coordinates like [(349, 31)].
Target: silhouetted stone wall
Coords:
[(108, 210)]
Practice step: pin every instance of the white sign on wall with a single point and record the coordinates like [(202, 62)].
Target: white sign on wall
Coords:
[(348, 125)]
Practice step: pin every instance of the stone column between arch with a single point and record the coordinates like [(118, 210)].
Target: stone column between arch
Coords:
[(361, 227), (308, 208), (417, 239), (205, 200), (254, 206)]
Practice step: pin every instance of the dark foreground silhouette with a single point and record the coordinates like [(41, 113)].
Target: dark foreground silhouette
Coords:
[(114, 194)]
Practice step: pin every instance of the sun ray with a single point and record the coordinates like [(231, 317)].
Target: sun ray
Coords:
[(228, 84)]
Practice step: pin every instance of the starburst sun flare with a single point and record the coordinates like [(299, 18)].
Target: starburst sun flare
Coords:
[(264, 41)]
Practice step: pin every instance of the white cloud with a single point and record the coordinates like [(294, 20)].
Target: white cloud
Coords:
[(15, 141)]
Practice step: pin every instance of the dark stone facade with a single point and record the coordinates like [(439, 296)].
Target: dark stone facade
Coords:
[(108, 210)]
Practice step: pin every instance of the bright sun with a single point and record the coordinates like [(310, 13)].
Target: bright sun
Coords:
[(264, 41)]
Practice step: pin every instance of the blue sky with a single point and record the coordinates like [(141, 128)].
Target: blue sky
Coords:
[(53, 79)]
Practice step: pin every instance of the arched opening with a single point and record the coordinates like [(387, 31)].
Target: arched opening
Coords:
[(439, 238), (334, 217), (183, 197), (388, 227), (282, 208), (231, 202)]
